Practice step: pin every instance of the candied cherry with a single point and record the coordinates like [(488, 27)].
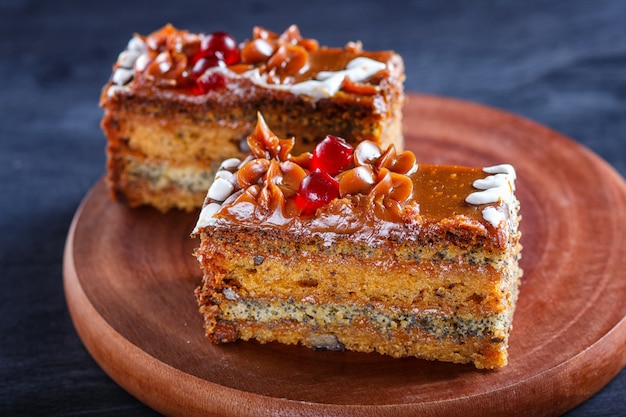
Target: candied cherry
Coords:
[(219, 45), (219, 49), (332, 155), (204, 64), (317, 189)]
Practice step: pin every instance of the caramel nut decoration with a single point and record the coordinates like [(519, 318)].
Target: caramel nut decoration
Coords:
[(272, 183)]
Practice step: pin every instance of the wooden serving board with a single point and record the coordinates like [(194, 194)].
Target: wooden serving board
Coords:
[(130, 275)]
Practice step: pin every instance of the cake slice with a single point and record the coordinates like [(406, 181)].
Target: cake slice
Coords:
[(178, 103), (360, 249)]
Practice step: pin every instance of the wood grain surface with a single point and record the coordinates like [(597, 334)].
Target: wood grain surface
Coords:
[(129, 280)]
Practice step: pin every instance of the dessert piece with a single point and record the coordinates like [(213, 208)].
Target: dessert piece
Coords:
[(179, 103), (360, 249)]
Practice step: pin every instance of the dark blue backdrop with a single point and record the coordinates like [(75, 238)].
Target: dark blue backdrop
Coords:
[(561, 63)]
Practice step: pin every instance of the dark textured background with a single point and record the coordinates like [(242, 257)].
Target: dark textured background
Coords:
[(561, 63)]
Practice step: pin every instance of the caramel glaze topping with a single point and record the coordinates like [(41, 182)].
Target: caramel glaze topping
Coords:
[(381, 195), (164, 62)]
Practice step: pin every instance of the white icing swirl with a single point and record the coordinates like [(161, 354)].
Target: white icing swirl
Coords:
[(206, 216), (502, 169), (125, 64), (223, 186), (137, 44), (221, 189), (493, 215), (127, 58), (122, 76), (495, 188), (327, 83)]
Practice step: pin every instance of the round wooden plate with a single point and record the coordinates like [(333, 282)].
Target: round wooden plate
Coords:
[(130, 275)]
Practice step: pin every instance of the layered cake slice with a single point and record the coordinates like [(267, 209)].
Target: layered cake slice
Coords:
[(178, 103), (360, 248)]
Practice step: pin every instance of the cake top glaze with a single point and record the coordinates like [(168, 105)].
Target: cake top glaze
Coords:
[(191, 64), (363, 191)]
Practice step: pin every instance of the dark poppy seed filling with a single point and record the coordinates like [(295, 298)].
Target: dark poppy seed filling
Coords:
[(322, 317)]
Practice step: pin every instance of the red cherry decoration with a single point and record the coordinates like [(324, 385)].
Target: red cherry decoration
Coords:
[(204, 64), (332, 155), (219, 49), (316, 190), (220, 45)]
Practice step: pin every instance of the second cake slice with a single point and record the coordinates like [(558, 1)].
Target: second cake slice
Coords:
[(178, 103)]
